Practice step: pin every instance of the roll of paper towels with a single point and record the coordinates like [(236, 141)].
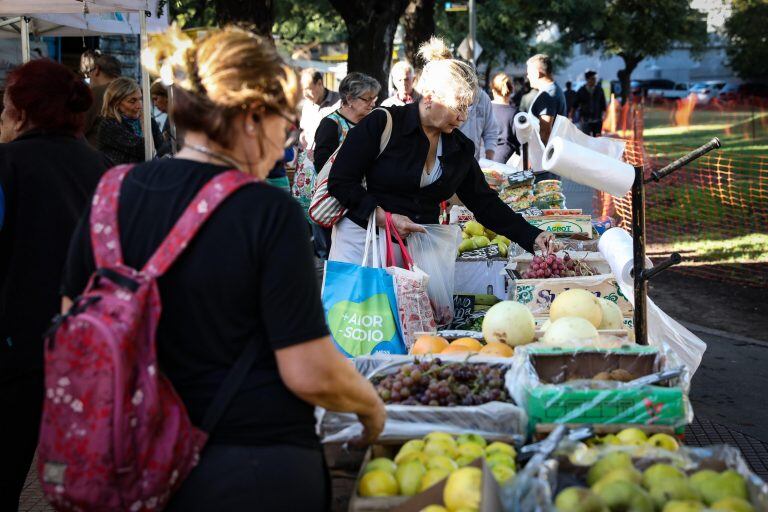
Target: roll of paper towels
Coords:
[(527, 132), (616, 246), (588, 167), (525, 124)]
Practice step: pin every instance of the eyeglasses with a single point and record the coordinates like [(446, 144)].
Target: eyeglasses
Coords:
[(459, 110), (367, 100), (291, 132)]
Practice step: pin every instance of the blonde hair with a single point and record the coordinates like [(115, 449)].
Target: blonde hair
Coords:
[(401, 67), (229, 71), (450, 79), (117, 90), (502, 84)]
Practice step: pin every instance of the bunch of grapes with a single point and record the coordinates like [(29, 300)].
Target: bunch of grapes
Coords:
[(437, 383), (554, 266)]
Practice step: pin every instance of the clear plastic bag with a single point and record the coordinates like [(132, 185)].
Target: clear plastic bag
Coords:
[(434, 252)]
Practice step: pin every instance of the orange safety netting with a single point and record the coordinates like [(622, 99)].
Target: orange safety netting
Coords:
[(714, 211)]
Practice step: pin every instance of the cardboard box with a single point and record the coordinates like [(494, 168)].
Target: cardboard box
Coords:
[(538, 294), (552, 400), (433, 495), (563, 225)]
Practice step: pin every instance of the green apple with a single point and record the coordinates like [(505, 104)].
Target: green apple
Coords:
[(441, 462), (732, 504), (381, 463), (627, 474), (500, 459), (699, 479), (605, 465), (626, 497), (664, 441), (498, 446), (481, 241), (683, 506), (632, 436), (663, 491), (659, 472), (409, 476), (474, 228), (726, 485), (579, 499)]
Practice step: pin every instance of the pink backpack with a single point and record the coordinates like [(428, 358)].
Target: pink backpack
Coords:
[(115, 435)]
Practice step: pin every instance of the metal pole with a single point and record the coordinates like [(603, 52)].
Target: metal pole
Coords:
[(149, 148), (638, 245), (25, 56), (472, 31), (172, 123)]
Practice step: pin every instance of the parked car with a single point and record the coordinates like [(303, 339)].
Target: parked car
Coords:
[(743, 92), (641, 87), (706, 91), (679, 91)]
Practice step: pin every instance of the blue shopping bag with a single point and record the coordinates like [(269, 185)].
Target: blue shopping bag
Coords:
[(361, 306)]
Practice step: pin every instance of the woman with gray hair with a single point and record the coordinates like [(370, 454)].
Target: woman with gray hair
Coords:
[(359, 93)]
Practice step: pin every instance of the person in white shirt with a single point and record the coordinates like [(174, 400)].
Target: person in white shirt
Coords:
[(481, 127), (318, 103), (401, 77)]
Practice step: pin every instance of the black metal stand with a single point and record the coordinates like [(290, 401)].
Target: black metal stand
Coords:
[(640, 274)]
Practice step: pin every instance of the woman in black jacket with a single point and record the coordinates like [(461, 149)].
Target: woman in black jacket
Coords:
[(47, 175), (426, 162), (120, 136)]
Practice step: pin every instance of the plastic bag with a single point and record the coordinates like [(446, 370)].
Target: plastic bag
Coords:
[(434, 252)]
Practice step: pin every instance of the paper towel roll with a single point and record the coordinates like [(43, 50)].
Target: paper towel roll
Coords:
[(527, 132), (588, 167), (616, 246), (524, 125)]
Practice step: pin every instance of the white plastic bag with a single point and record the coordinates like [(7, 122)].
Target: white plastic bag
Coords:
[(434, 252)]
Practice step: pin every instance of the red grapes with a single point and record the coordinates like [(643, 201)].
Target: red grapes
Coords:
[(437, 383), (552, 266)]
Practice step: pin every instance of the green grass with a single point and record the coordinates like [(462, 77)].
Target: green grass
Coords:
[(752, 248), (734, 129)]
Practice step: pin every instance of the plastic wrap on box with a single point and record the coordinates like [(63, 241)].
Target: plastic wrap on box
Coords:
[(689, 459), (557, 385), (412, 421)]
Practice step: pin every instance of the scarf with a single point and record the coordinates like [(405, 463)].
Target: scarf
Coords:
[(134, 125)]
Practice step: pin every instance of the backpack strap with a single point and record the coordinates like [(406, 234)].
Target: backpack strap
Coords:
[(199, 210), (105, 236)]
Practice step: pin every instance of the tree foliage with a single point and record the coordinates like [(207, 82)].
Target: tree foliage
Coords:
[(630, 29), (747, 38), (308, 21), (419, 22)]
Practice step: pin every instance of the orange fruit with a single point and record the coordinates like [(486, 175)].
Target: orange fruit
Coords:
[(458, 349), (428, 344), (497, 349), (469, 343)]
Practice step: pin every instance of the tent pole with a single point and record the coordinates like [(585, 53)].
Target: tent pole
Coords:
[(149, 149), (24, 39), (10, 21)]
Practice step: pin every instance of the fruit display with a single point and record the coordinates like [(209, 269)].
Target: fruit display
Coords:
[(421, 463), (439, 383), (475, 236), (577, 303), (553, 266), (431, 344), (616, 484), (633, 436), (568, 329), (509, 322)]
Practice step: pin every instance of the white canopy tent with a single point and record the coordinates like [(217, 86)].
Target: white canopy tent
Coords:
[(79, 18)]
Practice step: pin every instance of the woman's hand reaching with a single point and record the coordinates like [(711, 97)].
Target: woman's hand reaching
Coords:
[(546, 242), (403, 225)]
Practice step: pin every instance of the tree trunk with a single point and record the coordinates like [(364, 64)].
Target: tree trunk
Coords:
[(258, 15), (624, 75), (371, 26), (419, 21)]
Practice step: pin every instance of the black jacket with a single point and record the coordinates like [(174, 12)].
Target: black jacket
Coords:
[(590, 106), (47, 181), (118, 142), (393, 180)]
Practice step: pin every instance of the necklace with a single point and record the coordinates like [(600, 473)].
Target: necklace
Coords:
[(207, 151)]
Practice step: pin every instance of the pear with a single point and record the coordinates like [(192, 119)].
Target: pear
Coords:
[(628, 474), (726, 485), (732, 504), (659, 472), (431, 477), (626, 497), (440, 447), (698, 479), (414, 445), (503, 249), (381, 463), (471, 438), (481, 241), (468, 452), (377, 483), (463, 488), (683, 506), (465, 235), (632, 436), (502, 473), (434, 508), (664, 441), (579, 499), (663, 491), (490, 234), (467, 245), (502, 238), (500, 459), (441, 462), (408, 457), (474, 228), (498, 446), (605, 465), (409, 476), (442, 436)]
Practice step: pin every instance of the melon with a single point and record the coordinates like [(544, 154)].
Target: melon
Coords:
[(579, 303), (509, 322), (612, 317), (567, 329)]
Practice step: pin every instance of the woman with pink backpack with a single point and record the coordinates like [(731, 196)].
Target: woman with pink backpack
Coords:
[(241, 341)]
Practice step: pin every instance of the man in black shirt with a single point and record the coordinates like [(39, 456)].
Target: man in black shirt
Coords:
[(570, 99), (590, 104)]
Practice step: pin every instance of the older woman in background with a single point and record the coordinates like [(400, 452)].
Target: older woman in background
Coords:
[(121, 137), (358, 96), (47, 174)]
